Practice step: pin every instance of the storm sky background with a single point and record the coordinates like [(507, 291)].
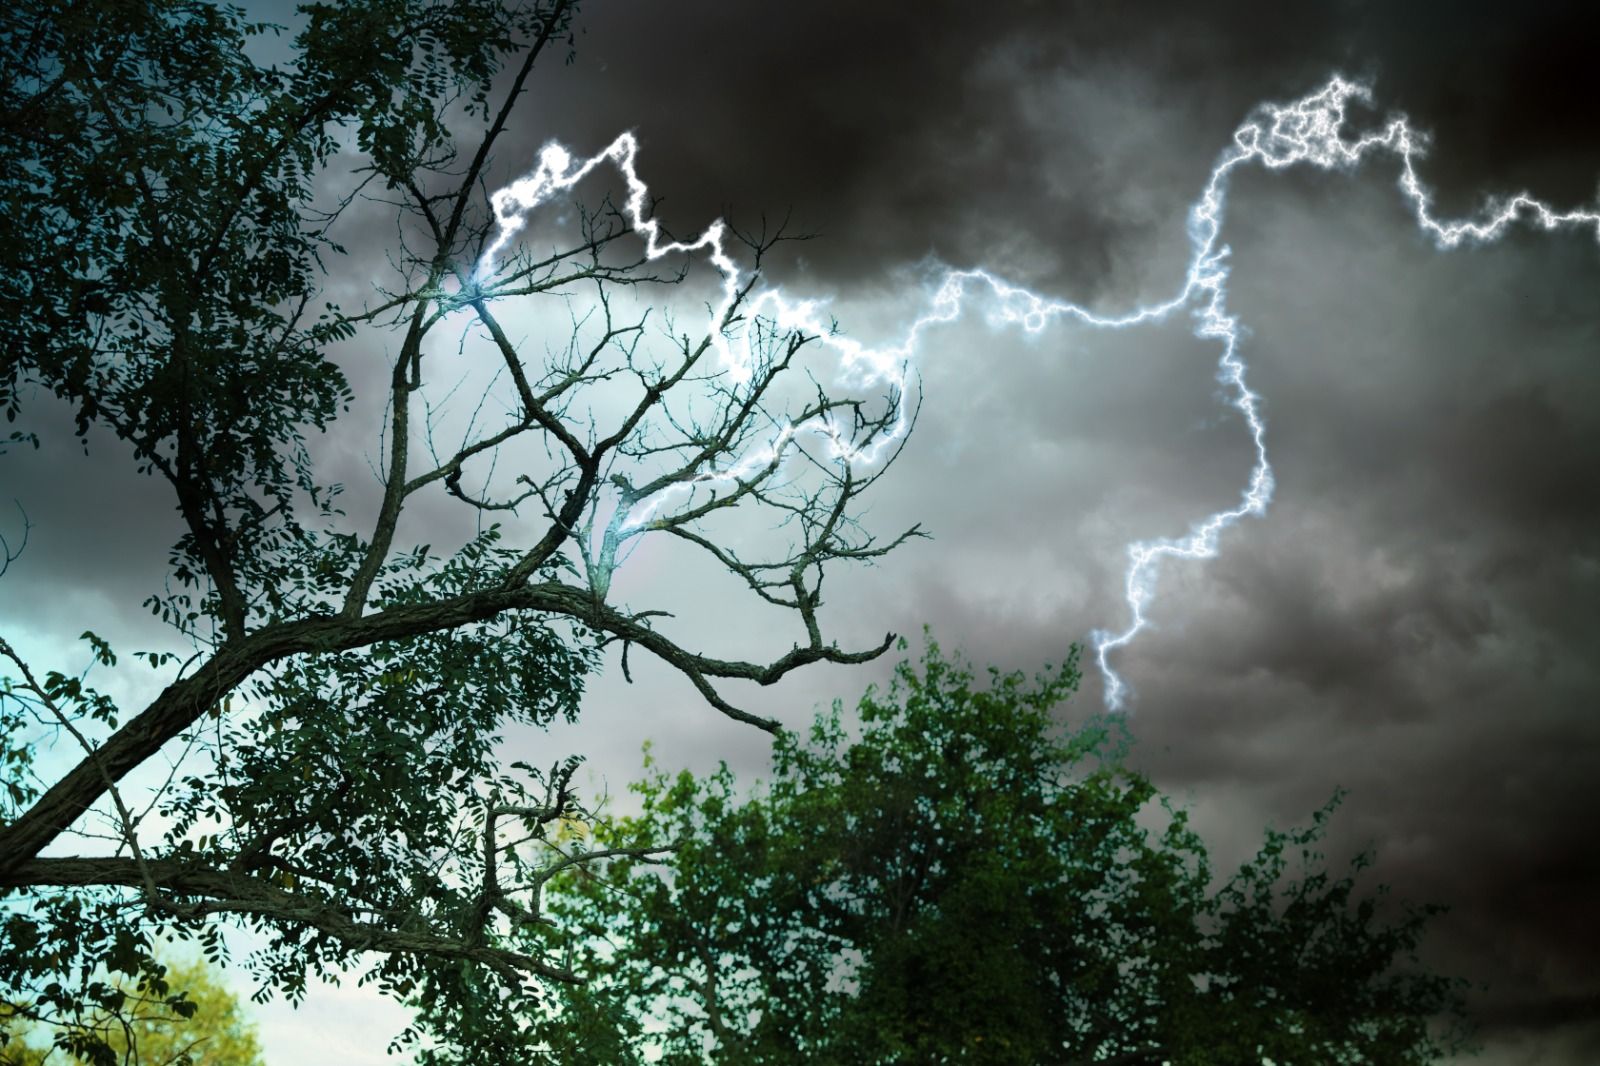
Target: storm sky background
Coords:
[(1416, 619)]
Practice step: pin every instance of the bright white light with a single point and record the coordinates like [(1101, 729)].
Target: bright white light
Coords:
[(1309, 131)]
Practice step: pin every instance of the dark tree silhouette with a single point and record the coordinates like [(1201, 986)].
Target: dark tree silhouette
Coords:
[(958, 878), (172, 213)]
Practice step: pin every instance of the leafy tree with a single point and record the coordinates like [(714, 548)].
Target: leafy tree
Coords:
[(966, 881), (181, 1017), (170, 214)]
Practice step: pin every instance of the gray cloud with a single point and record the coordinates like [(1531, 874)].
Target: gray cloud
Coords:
[(1415, 619)]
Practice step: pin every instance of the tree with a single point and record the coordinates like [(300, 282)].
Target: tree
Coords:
[(966, 881), (335, 689), (179, 1017)]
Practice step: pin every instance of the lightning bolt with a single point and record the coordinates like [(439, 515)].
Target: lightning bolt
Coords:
[(1278, 136)]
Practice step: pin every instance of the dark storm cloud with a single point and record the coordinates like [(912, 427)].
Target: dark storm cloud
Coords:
[(1416, 617), (896, 131), (99, 531)]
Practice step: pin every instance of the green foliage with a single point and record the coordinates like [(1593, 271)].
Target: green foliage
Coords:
[(962, 880), (161, 242), (137, 134), (161, 263), (394, 745), (318, 760), (162, 1016)]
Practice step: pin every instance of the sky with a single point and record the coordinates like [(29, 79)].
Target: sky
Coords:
[(1415, 618)]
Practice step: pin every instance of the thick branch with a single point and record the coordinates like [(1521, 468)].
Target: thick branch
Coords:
[(183, 702), (227, 892)]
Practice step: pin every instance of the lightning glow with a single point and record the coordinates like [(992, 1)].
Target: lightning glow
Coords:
[(1309, 131)]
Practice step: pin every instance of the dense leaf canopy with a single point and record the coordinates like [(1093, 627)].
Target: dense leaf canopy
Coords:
[(956, 878)]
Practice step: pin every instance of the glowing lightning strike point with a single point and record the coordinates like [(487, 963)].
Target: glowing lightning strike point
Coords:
[(1310, 131)]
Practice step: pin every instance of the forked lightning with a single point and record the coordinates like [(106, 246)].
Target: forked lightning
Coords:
[(1310, 131)]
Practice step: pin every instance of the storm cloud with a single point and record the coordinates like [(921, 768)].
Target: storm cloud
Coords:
[(1416, 619)]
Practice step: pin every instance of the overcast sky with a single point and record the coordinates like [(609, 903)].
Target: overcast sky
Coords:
[(1416, 618)]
